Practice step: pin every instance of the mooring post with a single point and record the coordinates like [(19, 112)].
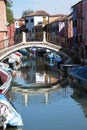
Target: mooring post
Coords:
[(23, 37), (44, 36)]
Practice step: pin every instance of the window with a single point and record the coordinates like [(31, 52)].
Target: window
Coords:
[(32, 30), (32, 20), (75, 23), (26, 21), (17, 31), (26, 30), (39, 22)]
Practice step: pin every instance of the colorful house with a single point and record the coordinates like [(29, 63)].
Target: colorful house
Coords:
[(84, 18), (70, 31), (77, 24), (35, 19), (19, 25), (11, 31), (3, 23), (57, 30)]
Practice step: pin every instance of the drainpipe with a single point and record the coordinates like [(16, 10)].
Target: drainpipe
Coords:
[(44, 36), (24, 37)]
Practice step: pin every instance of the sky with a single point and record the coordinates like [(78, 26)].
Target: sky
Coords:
[(50, 6)]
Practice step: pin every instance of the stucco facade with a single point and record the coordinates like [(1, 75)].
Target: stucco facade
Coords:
[(3, 24), (3, 21), (34, 19), (84, 16), (77, 24)]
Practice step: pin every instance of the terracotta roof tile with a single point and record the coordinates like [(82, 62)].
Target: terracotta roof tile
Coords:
[(38, 13)]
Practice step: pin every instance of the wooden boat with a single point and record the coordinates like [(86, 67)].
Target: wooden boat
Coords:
[(5, 80), (8, 114), (79, 76)]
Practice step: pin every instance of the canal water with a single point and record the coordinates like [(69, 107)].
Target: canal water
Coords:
[(43, 104)]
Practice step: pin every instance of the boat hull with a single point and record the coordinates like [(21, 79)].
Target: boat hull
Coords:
[(79, 77), (8, 114), (5, 78)]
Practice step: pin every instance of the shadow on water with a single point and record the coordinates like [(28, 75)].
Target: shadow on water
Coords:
[(80, 97)]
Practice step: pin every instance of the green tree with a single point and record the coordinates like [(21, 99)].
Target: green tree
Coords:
[(9, 12)]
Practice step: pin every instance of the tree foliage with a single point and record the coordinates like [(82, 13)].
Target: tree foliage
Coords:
[(24, 13), (9, 12)]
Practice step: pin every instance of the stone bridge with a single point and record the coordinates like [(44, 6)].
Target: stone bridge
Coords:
[(43, 44)]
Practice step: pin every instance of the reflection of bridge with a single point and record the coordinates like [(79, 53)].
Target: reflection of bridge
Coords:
[(27, 92), (24, 44)]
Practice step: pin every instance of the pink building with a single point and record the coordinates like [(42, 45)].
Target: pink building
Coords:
[(3, 22), (84, 16), (11, 31), (3, 27), (70, 30)]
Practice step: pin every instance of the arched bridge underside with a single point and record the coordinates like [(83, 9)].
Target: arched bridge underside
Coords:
[(7, 51)]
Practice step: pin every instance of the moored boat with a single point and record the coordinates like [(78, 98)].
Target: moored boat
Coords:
[(14, 61), (5, 81), (65, 68), (79, 76), (8, 114)]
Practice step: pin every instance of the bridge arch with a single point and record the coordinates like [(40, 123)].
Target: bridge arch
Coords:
[(43, 44)]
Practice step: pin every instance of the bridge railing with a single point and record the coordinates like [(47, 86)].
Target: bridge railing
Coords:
[(58, 40), (4, 43), (10, 41), (24, 37)]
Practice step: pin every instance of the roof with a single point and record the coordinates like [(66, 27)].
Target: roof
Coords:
[(76, 4), (38, 13), (59, 18)]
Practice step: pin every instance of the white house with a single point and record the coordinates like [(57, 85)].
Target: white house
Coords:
[(34, 19)]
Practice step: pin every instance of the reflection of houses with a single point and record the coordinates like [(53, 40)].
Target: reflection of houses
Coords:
[(82, 101), (77, 24), (3, 23), (34, 22)]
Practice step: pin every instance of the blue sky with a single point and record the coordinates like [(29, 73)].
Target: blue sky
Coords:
[(50, 6)]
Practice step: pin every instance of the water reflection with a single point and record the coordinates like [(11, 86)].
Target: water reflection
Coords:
[(39, 96), (57, 100), (46, 108), (81, 98), (36, 73)]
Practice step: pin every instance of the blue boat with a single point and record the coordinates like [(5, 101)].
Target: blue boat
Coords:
[(79, 76), (58, 58), (8, 114), (23, 51)]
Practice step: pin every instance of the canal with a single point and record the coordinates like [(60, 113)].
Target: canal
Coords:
[(45, 100)]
